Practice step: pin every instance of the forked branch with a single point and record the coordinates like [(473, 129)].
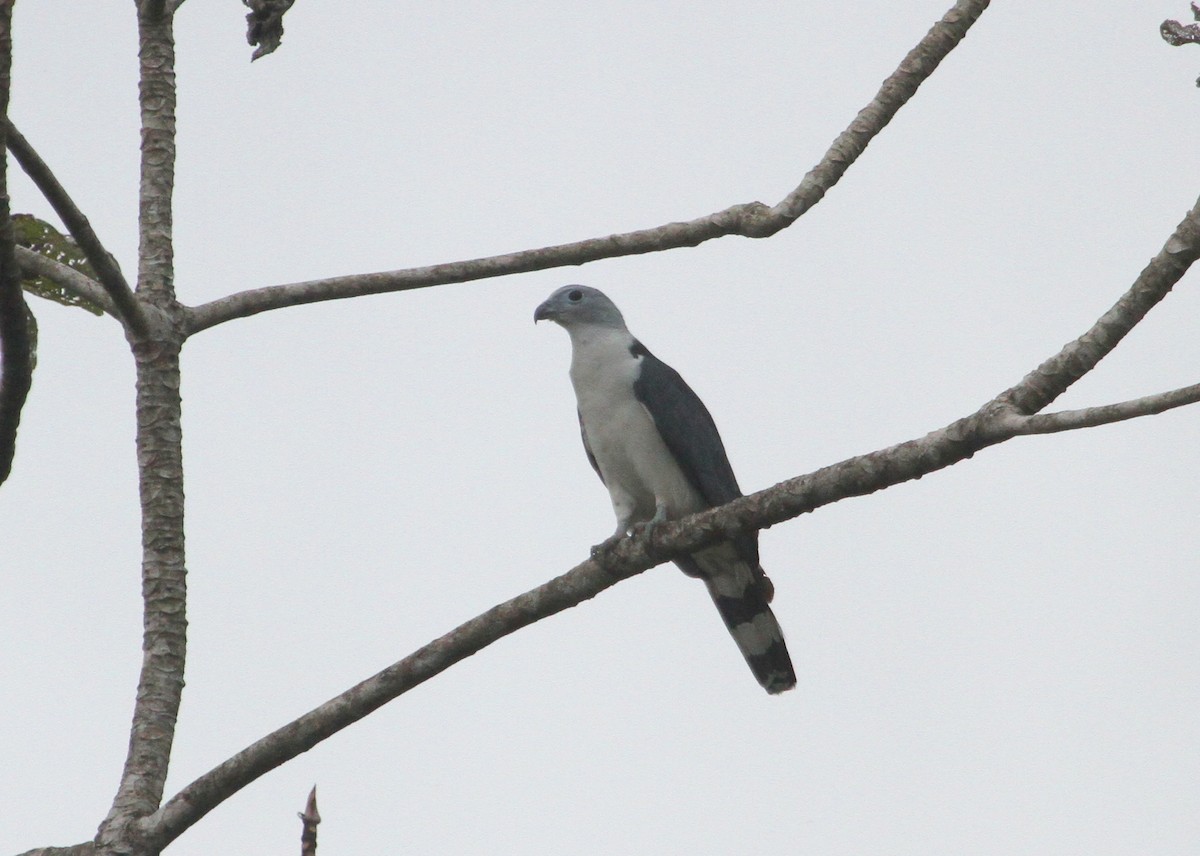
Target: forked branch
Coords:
[(1091, 417), (122, 304)]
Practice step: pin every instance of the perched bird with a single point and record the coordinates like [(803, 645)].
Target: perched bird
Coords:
[(656, 448)]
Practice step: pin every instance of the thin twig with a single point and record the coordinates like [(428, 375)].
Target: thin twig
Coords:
[(126, 306), (66, 277), (1054, 376), (752, 220), (309, 818), (1090, 417)]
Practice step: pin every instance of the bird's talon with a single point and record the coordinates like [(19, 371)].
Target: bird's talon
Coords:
[(597, 549), (646, 528)]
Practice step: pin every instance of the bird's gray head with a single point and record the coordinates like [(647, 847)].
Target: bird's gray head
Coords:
[(577, 306)]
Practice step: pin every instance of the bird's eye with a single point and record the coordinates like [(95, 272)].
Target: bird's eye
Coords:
[(575, 296)]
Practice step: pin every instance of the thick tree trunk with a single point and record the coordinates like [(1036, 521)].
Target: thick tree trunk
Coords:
[(159, 456), (164, 593)]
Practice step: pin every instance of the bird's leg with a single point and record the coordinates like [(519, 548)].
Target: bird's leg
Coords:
[(622, 530), (660, 516), (625, 507)]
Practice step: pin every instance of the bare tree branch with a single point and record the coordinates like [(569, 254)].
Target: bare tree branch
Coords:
[(1090, 417), (997, 421), (752, 220), (16, 346), (205, 793), (900, 86), (738, 220), (854, 477), (127, 308), (66, 277), (1053, 377), (156, 95)]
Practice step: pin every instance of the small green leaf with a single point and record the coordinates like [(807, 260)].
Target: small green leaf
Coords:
[(44, 239)]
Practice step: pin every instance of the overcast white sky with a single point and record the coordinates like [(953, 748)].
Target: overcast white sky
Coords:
[(1000, 658)]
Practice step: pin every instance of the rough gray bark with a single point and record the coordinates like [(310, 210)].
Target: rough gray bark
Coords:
[(159, 454)]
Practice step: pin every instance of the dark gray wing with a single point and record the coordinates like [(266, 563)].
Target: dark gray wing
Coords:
[(689, 432), (686, 427)]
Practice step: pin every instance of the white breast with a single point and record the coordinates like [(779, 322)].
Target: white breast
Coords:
[(637, 467)]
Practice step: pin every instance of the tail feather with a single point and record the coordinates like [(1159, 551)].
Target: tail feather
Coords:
[(742, 594), (757, 634)]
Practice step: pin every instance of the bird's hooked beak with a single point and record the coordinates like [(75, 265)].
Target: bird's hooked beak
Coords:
[(544, 312)]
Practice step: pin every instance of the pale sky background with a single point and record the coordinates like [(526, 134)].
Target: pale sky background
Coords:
[(997, 659)]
